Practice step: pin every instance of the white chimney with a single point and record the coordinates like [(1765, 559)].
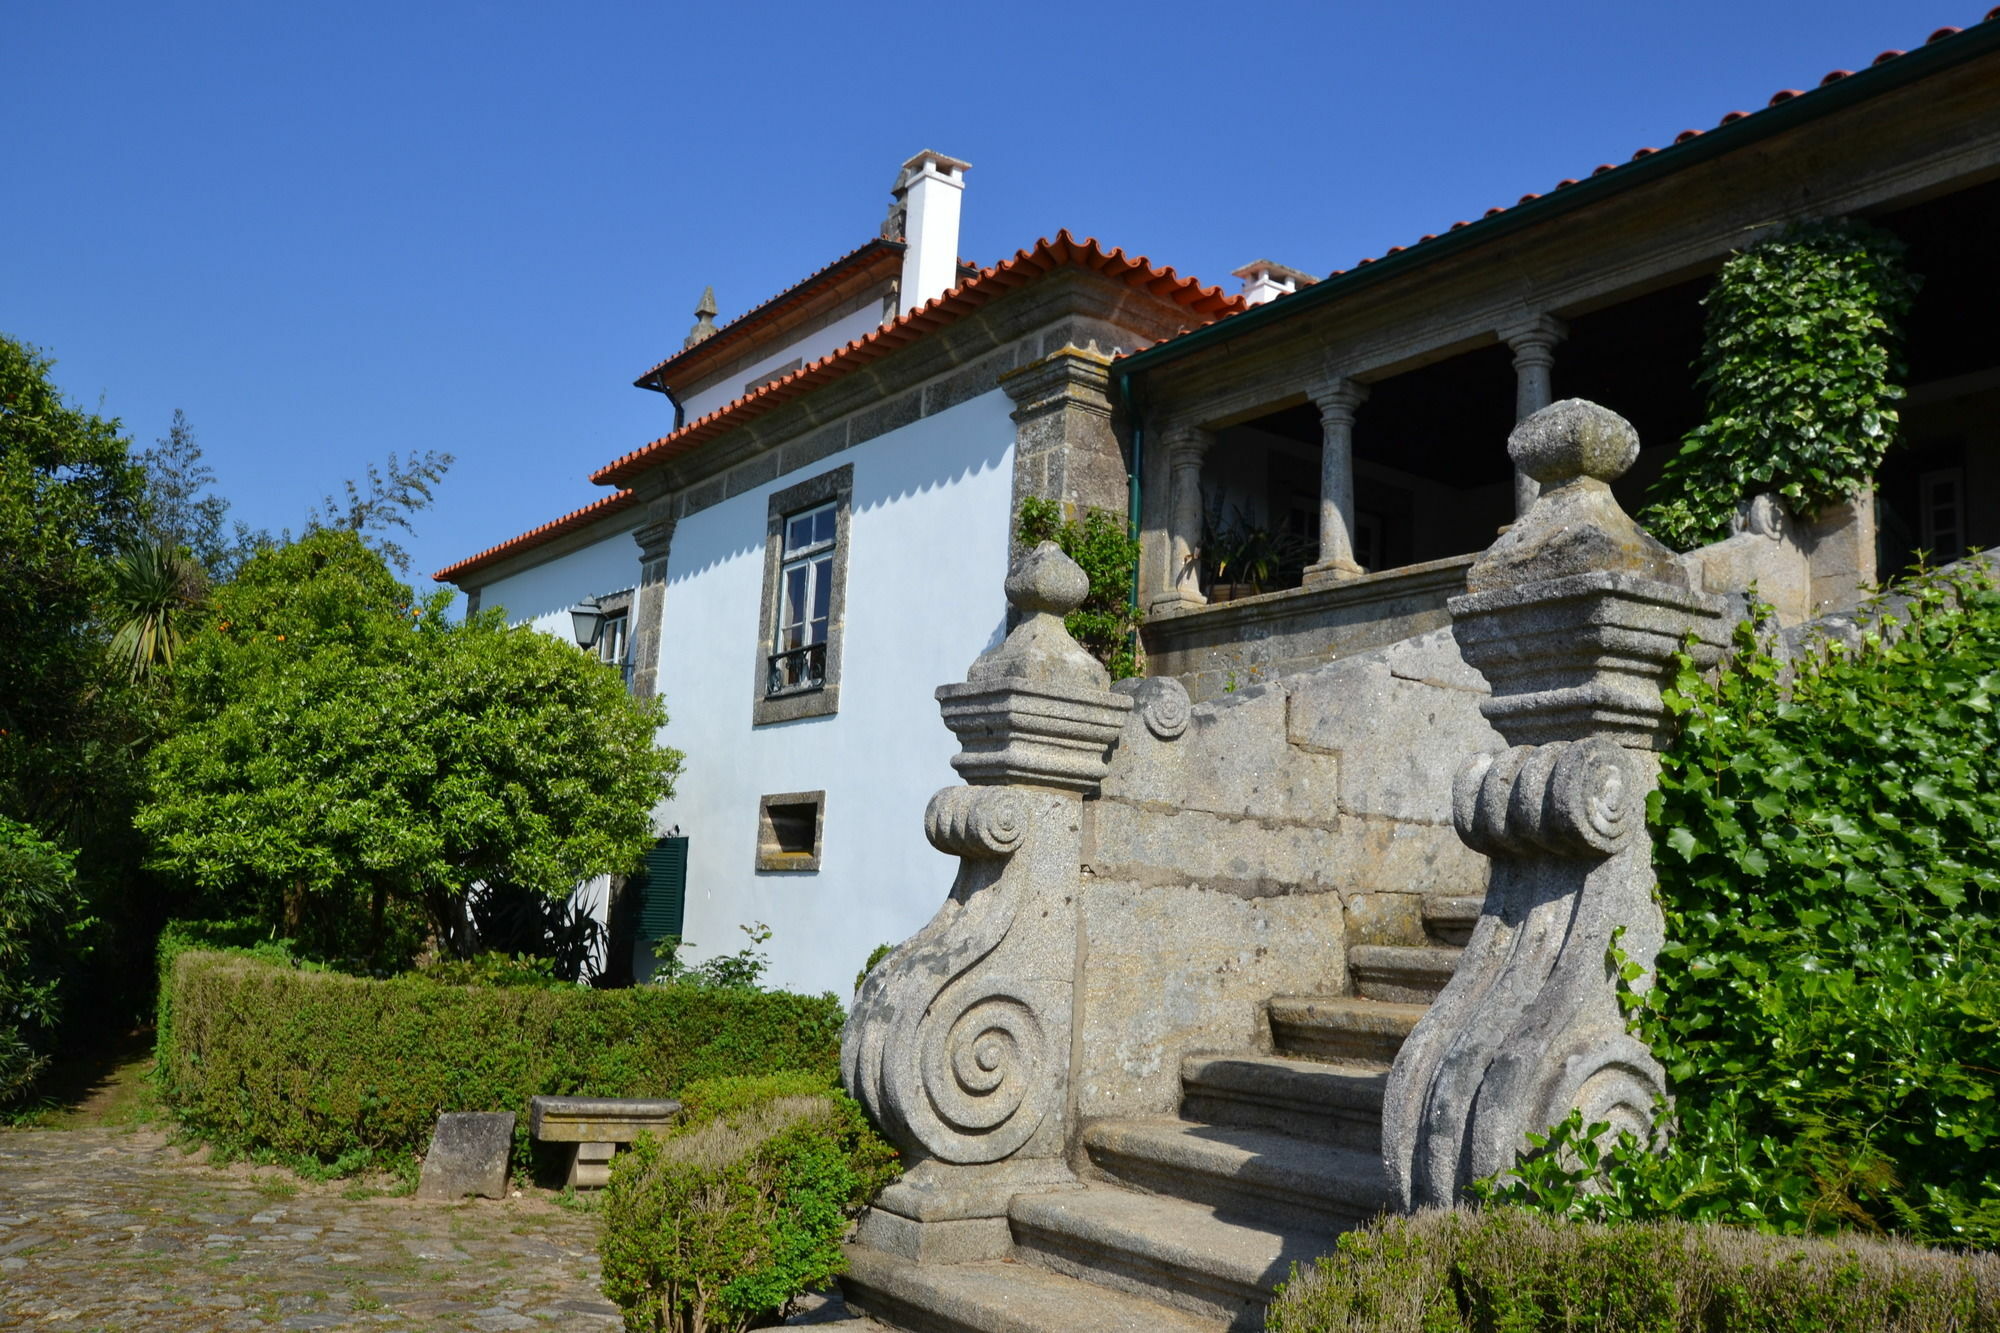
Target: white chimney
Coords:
[(929, 191), (1265, 281)]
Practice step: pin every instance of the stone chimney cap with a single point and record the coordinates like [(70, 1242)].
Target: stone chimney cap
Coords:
[(948, 167), (1258, 268)]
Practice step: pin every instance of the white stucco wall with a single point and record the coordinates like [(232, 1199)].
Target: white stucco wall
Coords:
[(923, 597), (543, 594), (808, 347)]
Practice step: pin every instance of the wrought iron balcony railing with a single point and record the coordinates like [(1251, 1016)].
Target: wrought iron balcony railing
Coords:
[(798, 670)]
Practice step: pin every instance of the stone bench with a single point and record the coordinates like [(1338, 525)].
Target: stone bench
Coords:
[(597, 1126)]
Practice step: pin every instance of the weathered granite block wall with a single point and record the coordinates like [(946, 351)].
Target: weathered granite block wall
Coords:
[(1253, 639), (1238, 845)]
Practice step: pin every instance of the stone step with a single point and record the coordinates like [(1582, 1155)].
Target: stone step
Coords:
[(1340, 1104), (1450, 917), (1400, 973), (1004, 1297), (1344, 1028), (1250, 1176), (1175, 1252)]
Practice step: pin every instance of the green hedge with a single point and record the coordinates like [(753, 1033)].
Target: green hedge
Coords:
[(720, 1223), (1502, 1269), (245, 936), (267, 1055)]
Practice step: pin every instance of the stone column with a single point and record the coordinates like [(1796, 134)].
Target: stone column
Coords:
[(1180, 589), (1064, 447), (1573, 616), (959, 1041), (655, 537), (1534, 345), (1337, 401)]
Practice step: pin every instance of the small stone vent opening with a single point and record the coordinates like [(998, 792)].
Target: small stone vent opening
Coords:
[(788, 830)]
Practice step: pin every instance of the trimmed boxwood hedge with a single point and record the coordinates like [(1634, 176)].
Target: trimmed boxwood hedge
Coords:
[(262, 1055), (1504, 1269)]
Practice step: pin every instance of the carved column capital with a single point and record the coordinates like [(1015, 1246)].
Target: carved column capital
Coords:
[(656, 535), (1069, 377), (1534, 339), (1338, 398), (1186, 445)]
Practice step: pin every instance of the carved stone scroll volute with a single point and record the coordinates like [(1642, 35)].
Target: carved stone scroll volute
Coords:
[(959, 1040), (1573, 617)]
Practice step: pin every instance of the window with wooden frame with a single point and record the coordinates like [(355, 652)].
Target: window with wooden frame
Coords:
[(805, 572)]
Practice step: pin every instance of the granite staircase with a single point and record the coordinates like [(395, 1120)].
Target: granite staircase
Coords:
[(1191, 1223)]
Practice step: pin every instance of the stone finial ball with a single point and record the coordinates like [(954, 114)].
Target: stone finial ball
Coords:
[(1573, 438), (1047, 580)]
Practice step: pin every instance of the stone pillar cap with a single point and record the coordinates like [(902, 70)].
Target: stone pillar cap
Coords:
[(1573, 438), (1047, 580)]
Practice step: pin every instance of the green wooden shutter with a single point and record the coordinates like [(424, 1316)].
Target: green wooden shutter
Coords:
[(665, 893)]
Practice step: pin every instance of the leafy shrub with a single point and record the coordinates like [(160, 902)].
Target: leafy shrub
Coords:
[(875, 955), (742, 970), (41, 937), (1828, 1005), (739, 1208), (258, 1054), (1504, 1269), (1798, 361), (1109, 557)]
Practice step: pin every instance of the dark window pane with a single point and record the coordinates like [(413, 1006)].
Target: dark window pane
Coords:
[(818, 632), (822, 586), (799, 532), (795, 594), (823, 525)]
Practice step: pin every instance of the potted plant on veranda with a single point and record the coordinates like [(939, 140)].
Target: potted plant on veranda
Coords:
[(1242, 558)]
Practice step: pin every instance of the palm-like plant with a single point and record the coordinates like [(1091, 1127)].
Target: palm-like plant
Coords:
[(155, 588)]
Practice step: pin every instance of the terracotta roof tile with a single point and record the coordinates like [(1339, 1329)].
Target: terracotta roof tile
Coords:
[(1202, 303), (855, 260), (534, 537)]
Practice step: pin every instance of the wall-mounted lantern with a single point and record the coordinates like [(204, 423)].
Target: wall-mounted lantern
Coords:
[(588, 618)]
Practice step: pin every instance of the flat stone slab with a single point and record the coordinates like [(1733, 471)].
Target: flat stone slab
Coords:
[(597, 1119), (468, 1156)]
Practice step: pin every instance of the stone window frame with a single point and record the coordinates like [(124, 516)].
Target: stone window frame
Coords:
[(769, 858), (834, 486)]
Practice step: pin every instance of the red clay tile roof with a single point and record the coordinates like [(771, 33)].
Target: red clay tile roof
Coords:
[(1777, 99), (1026, 266), (692, 362), (983, 286), (534, 537)]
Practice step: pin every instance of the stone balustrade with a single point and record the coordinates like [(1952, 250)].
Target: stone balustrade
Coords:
[(1574, 617), (959, 1041)]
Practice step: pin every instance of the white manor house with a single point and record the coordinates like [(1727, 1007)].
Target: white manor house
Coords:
[(821, 540)]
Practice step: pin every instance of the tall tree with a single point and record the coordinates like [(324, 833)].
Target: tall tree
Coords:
[(392, 494), (69, 499), (345, 759), (182, 511)]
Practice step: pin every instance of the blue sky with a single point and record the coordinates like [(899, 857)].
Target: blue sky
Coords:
[(328, 232)]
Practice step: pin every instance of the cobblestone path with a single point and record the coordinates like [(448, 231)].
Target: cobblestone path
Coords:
[(117, 1230)]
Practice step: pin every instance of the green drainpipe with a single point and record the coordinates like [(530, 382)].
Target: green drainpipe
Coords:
[(1135, 500)]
